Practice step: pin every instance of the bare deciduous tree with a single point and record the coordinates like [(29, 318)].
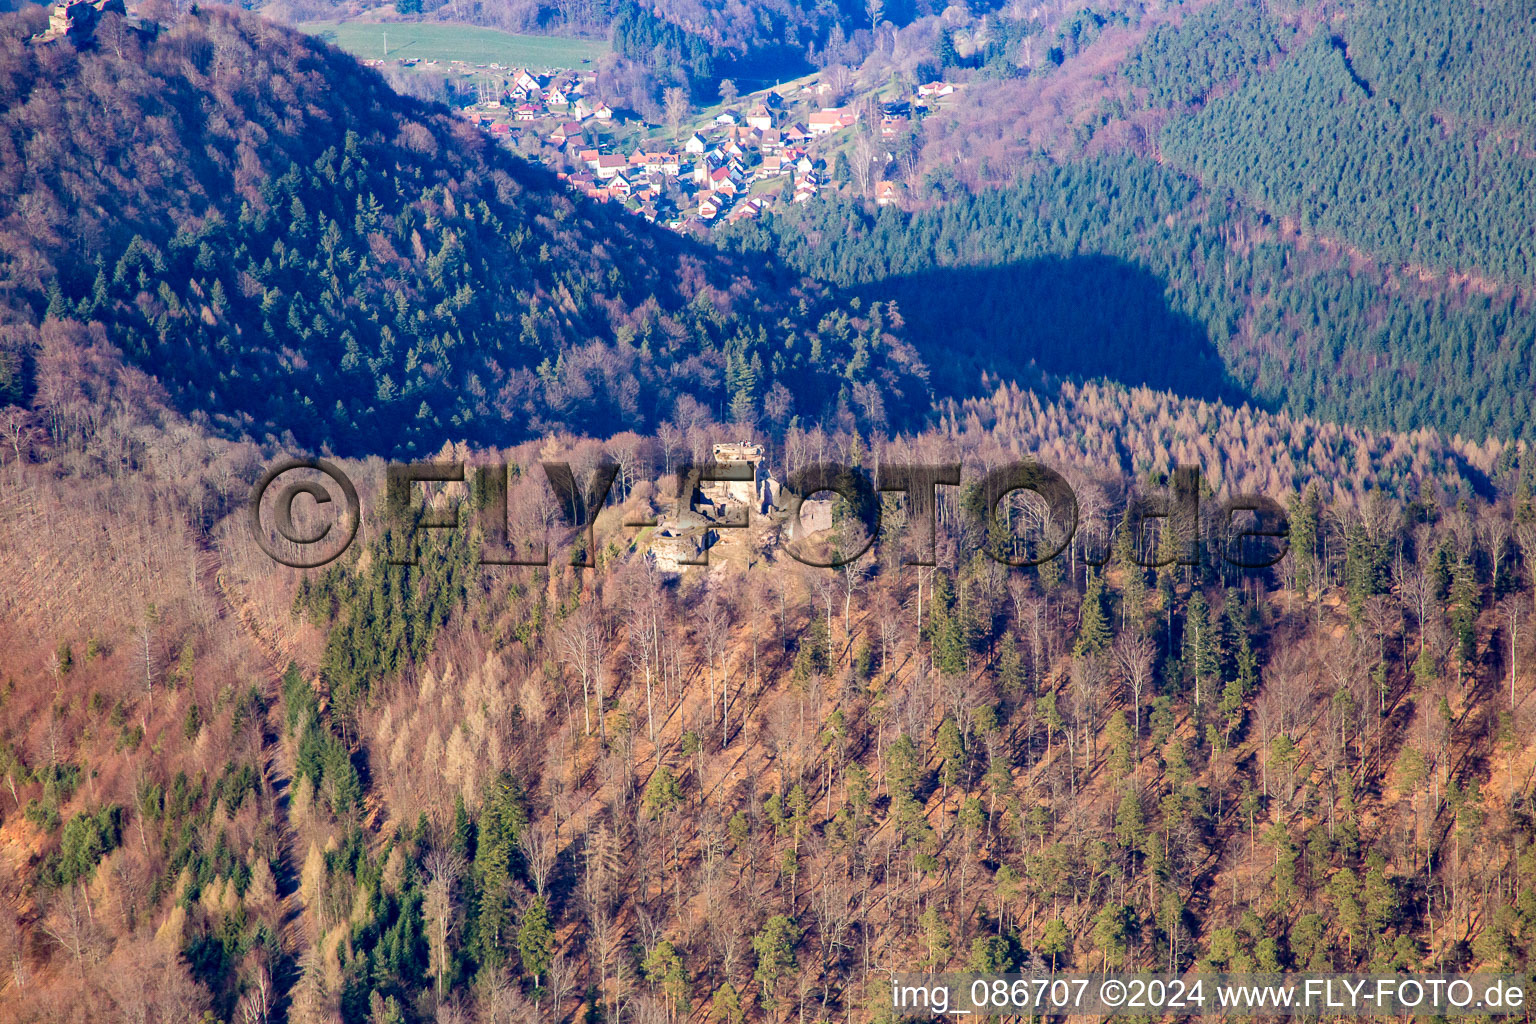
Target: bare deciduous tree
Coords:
[(578, 641), (439, 908), (675, 101), (69, 923), (1134, 653), (866, 158), (562, 977), (255, 1006), (539, 850)]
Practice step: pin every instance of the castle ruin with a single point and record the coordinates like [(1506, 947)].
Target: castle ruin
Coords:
[(76, 20), (754, 506)]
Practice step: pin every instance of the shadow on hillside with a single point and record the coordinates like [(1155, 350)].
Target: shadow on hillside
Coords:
[(1079, 317)]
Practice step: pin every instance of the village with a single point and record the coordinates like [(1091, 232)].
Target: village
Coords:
[(779, 145)]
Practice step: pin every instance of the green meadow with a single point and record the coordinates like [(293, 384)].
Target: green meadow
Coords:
[(428, 41)]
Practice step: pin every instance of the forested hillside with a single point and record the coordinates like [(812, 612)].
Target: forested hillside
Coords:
[(451, 793), (1180, 63), (1120, 268), (1468, 63), (402, 791), (1390, 172), (1403, 129), (1244, 214), (294, 250)]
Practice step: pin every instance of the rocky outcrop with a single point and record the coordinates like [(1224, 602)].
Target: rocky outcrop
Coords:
[(76, 19)]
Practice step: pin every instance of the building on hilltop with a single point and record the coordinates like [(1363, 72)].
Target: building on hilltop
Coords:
[(684, 535), (740, 519), (681, 541), (76, 19), (742, 492)]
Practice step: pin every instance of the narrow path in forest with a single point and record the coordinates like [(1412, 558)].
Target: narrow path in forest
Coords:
[(266, 660)]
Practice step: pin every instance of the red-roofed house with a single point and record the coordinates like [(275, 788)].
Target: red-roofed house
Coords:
[(824, 121), (718, 176), (610, 164)]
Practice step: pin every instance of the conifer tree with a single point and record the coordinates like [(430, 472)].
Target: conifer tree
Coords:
[(535, 940), (1093, 633), (1306, 521), (774, 945)]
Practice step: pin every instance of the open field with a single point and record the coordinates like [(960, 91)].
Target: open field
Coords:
[(404, 41)]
